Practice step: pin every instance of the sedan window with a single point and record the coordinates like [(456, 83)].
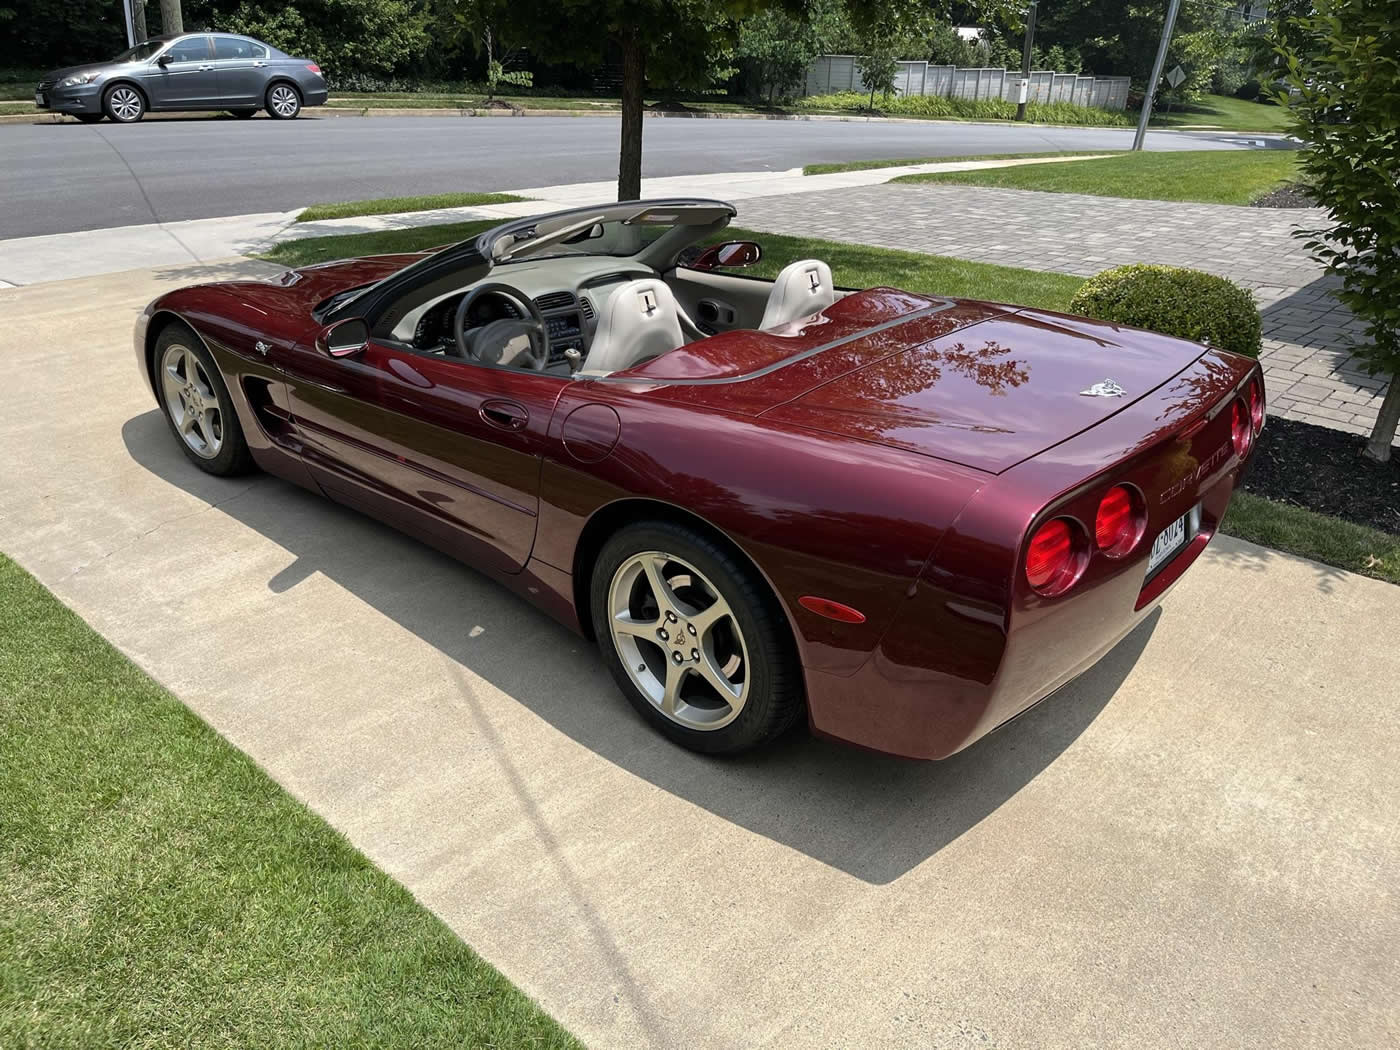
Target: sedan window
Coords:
[(194, 49), (233, 47)]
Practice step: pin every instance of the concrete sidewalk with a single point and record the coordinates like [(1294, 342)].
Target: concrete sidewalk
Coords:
[(1192, 845)]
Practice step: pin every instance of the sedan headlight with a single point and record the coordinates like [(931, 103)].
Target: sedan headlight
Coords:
[(78, 78)]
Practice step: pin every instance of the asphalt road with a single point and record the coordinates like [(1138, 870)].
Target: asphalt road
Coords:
[(58, 178)]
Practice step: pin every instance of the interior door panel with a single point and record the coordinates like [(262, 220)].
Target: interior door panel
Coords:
[(718, 302)]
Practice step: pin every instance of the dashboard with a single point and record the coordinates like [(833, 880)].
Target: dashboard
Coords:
[(567, 292)]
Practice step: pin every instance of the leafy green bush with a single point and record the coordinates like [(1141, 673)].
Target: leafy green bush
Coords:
[(1171, 299), (967, 109)]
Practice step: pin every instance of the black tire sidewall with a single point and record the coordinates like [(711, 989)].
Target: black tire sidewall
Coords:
[(234, 457), (775, 692), (267, 101), (111, 113)]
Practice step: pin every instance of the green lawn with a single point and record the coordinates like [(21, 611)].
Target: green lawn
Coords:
[(157, 889), (1211, 176), (853, 265), (391, 205), (899, 162), (1225, 112), (1316, 536)]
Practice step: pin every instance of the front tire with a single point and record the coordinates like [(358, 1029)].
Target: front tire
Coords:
[(283, 101), (197, 404), (90, 118), (694, 639), (124, 104), (243, 114)]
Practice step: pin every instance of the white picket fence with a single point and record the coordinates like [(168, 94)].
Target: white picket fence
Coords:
[(831, 73)]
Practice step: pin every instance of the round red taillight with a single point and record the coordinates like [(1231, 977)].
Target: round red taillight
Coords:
[(1055, 557), (1241, 433), (1256, 405), (1120, 522)]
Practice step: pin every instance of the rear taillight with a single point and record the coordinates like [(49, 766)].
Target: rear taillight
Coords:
[(313, 67), (1241, 430), (1256, 405), (1120, 522), (1056, 557)]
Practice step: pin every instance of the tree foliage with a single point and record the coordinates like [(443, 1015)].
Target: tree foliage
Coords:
[(776, 46), (344, 36), (1343, 67)]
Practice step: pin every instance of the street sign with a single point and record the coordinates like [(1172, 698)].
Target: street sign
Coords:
[(1176, 76)]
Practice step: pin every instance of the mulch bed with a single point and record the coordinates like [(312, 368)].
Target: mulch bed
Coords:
[(1289, 195), (1323, 470)]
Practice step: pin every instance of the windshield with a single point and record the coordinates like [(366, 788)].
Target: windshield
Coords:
[(140, 52)]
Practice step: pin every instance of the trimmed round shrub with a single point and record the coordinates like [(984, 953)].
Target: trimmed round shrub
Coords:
[(1174, 300)]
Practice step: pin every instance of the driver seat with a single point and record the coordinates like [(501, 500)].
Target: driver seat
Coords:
[(639, 321)]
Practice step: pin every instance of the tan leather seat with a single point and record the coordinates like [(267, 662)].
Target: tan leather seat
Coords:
[(801, 289), (639, 321)]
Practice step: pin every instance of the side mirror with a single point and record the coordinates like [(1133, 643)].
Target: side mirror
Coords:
[(731, 255), (164, 60), (344, 338)]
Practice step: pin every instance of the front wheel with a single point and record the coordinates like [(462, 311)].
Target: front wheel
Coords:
[(283, 102), (694, 639), (197, 404), (124, 104)]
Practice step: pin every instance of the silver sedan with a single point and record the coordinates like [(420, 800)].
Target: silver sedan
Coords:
[(186, 71)]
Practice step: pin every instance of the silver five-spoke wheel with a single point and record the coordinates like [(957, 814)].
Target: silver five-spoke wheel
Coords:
[(284, 101), (192, 401), (679, 640)]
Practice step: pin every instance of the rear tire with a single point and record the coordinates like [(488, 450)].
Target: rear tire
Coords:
[(283, 101), (710, 663), (124, 104), (90, 118), (197, 404)]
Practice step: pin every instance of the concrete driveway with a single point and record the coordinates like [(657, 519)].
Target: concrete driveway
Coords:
[(1193, 845)]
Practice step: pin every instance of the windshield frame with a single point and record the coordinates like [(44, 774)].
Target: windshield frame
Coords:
[(129, 56)]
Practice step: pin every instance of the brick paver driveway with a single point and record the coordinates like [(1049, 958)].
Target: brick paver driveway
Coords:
[(1311, 373)]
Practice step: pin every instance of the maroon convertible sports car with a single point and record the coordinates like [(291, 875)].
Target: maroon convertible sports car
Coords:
[(903, 517)]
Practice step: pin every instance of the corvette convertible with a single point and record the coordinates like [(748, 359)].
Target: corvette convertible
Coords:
[(901, 517)]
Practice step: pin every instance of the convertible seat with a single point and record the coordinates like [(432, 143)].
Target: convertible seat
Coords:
[(639, 321), (802, 289)]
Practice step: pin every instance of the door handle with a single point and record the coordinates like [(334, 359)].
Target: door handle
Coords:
[(259, 65), (205, 68), (504, 415)]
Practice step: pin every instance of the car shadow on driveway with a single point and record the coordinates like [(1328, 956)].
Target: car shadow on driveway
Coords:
[(872, 816)]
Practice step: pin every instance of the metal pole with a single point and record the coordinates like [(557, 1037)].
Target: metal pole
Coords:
[(131, 40), (1156, 74), (1023, 92)]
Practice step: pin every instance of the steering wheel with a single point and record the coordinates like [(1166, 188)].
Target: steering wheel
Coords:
[(489, 344)]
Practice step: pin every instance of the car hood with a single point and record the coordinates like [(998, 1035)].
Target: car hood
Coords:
[(992, 394), (56, 75)]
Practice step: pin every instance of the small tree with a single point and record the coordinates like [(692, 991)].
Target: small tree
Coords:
[(778, 46), (887, 36), (1344, 71)]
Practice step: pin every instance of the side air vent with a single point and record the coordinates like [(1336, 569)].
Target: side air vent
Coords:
[(587, 308), (555, 300)]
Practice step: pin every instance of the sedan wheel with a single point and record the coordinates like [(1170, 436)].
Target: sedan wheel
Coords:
[(197, 404), (283, 102), (694, 638), (124, 104)]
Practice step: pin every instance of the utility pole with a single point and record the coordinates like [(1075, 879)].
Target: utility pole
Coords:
[(1151, 92), (1023, 93), (170, 20)]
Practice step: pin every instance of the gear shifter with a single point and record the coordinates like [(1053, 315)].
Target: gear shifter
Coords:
[(575, 358)]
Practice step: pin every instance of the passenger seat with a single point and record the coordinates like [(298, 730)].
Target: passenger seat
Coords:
[(802, 289)]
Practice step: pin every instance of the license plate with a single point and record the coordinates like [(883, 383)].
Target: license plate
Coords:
[(1168, 542), (38, 98)]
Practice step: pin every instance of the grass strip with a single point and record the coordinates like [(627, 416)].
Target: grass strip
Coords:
[(158, 889), (392, 205), (866, 165), (1207, 176), (1296, 530)]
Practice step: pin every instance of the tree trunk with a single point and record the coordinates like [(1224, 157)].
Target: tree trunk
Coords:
[(170, 20), (138, 21), (1378, 448), (629, 162)]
